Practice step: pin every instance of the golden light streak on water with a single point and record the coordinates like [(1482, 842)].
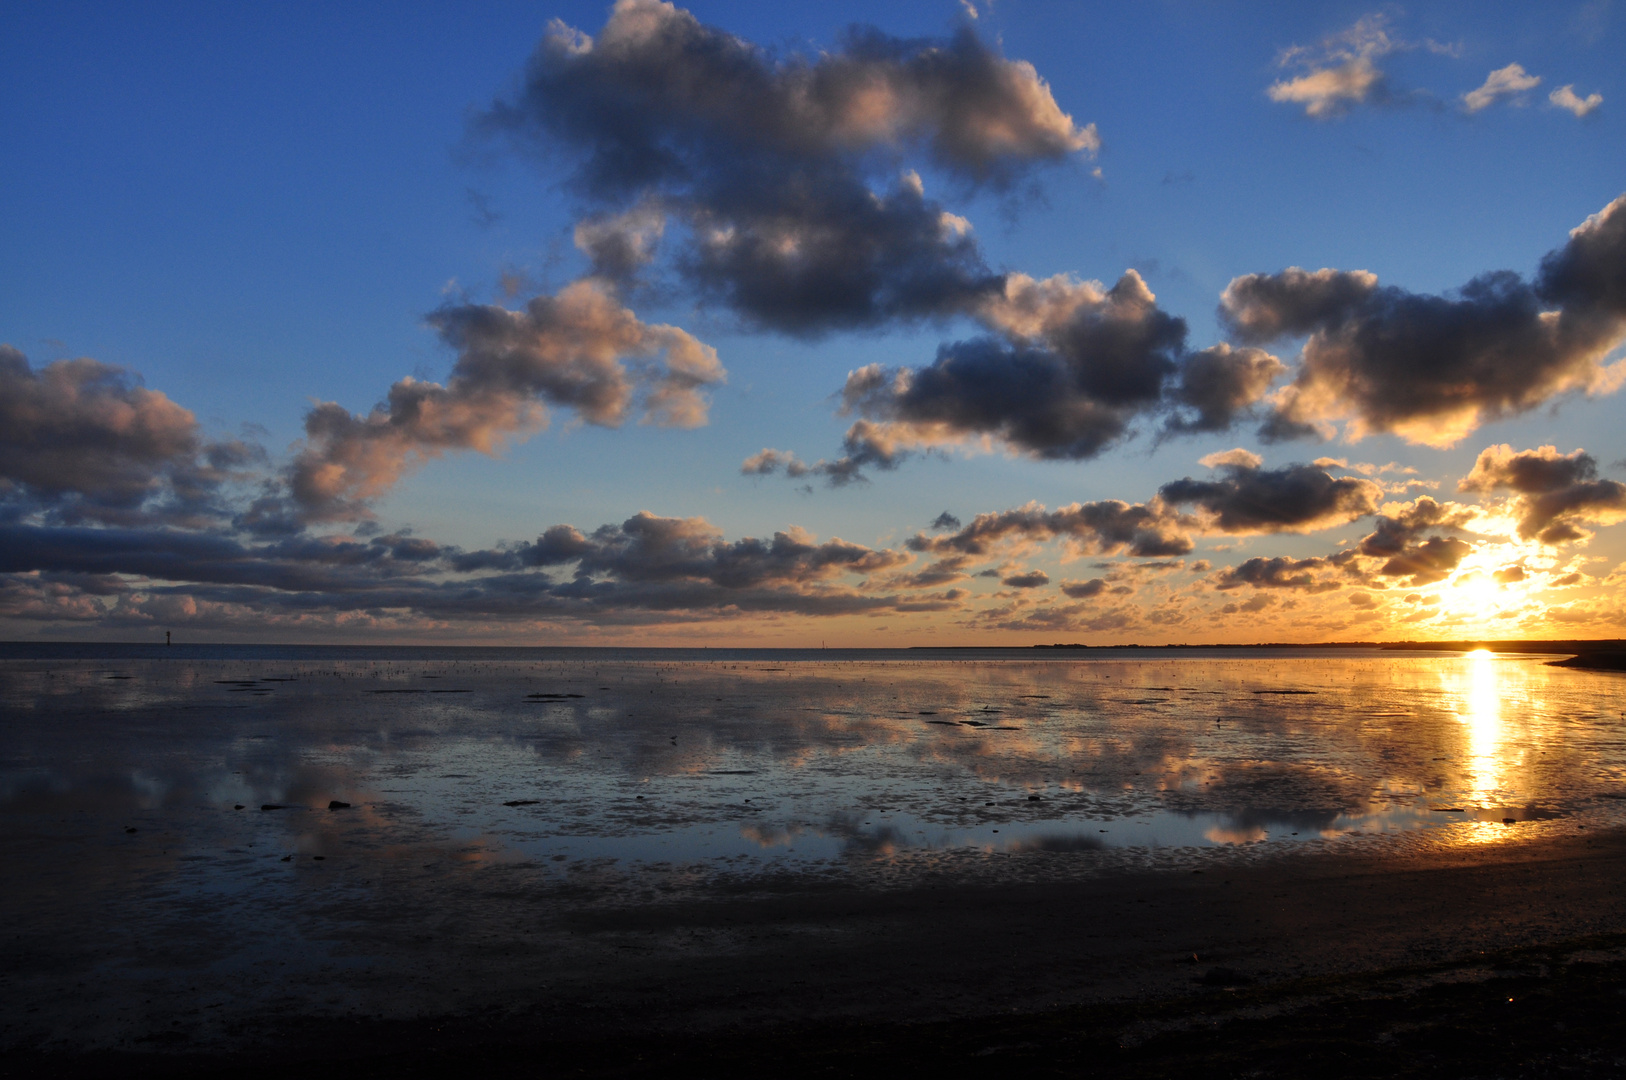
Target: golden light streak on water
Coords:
[(1482, 715)]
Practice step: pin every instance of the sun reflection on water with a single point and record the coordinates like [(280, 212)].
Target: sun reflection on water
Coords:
[(1482, 714)]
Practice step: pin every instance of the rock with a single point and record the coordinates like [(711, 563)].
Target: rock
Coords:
[(238, 806), (335, 804), (129, 828), (286, 858), (319, 858), (272, 806), (1034, 798), (527, 802)]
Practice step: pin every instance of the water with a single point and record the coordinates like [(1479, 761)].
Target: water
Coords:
[(490, 787), (733, 760)]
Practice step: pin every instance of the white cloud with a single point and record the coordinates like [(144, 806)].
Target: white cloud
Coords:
[(1339, 72), (1565, 98), (1501, 83)]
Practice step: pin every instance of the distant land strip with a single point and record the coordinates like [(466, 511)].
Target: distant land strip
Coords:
[(1572, 645)]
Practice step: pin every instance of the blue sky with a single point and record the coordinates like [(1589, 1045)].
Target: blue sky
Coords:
[(253, 209)]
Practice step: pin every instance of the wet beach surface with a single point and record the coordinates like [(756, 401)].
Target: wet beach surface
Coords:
[(543, 852)]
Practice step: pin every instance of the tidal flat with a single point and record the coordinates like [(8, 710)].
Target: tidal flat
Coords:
[(217, 854)]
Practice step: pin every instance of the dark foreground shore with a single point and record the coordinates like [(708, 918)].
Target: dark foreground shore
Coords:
[(1504, 959)]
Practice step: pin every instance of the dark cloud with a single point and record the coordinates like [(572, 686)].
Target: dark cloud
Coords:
[(944, 571), (1219, 384), (1555, 494), (1033, 579), (1072, 366), (1108, 527), (1428, 562), (1297, 498), (579, 349), (85, 441), (1404, 524), (1433, 368), (945, 520), (1307, 575), (646, 569), (1398, 539), (1067, 369), (1083, 590), (646, 547), (769, 161)]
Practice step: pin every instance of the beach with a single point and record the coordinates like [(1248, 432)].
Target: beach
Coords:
[(715, 850)]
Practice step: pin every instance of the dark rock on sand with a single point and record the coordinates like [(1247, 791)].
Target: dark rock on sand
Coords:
[(335, 804), (527, 802), (272, 806), (129, 828)]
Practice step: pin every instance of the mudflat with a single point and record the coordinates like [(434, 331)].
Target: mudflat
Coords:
[(1304, 955)]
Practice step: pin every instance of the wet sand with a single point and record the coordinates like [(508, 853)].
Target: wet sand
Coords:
[(1136, 960)]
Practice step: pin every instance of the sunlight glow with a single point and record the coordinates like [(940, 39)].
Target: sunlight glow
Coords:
[(1482, 716)]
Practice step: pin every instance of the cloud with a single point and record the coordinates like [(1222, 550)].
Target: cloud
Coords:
[(1297, 498), (1237, 456), (1107, 527), (1428, 562), (1033, 579), (1565, 97), (1398, 540), (85, 441), (618, 245), (1307, 575), (646, 569), (1083, 590), (1067, 368), (647, 548), (866, 445), (768, 162), (768, 461), (1072, 364), (1221, 384), (579, 349), (1554, 493), (1501, 83), (1433, 368), (1339, 72), (1401, 525)]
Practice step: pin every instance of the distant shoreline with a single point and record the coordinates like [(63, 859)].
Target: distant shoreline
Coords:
[(282, 651), (1573, 645)]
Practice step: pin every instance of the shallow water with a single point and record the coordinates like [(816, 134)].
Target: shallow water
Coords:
[(167, 837), (745, 763)]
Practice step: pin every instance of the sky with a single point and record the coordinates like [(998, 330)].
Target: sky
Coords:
[(867, 325)]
